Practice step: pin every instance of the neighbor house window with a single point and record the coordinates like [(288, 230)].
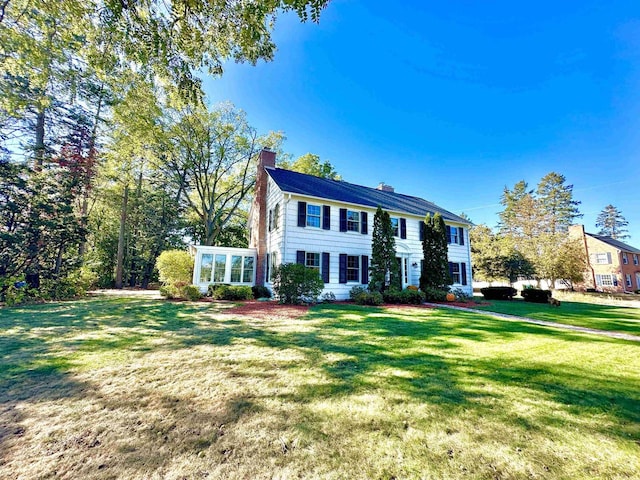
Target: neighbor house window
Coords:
[(603, 258), (313, 215), (312, 260), (206, 267), (605, 280), (628, 279), (353, 268), (625, 259), (219, 268), (635, 259), (353, 221)]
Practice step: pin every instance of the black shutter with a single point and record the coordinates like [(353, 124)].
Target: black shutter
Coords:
[(451, 270), (325, 267), (403, 228), (364, 274), (342, 274), (365, 223), (461, 233), (266, 269), (270, 219), (422, 225), (463, 271), (343, 219), (326, 217), (448, 234), (300, 257), (302, 214)]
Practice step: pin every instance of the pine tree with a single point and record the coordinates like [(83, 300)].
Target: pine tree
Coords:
[(384, 271), (612, 223), (556, 206), (435, 267)]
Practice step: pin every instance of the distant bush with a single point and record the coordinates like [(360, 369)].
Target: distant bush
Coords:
[(294, 283), (498, 293), (191, 292), (175, 266), (406, 296), (434, 294), (181, 290), (231, 292), (536, 295), (260, 291)]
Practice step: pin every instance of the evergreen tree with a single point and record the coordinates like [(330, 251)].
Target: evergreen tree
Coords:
[(435, 266), (611, 223), (383, 269), (556, 206)]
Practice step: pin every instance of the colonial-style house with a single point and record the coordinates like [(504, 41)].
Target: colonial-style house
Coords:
[(327, 225), (613, 266)]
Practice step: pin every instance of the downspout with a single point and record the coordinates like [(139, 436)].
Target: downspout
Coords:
[(284, 226)]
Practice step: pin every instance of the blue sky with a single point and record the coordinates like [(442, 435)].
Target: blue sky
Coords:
[(453, 101)]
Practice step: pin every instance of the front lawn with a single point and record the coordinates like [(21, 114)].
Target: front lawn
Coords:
[(590, 315), (122, 388)]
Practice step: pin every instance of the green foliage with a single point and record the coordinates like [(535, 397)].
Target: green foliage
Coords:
[(536, 295), (328, 297), (355, 291), (175, 266), (311, 165), (461, 295), (498, 293), (435, 271), (295, 284), (612, 223), (383, 269), (231, 292), (13, 290), (191, 292), (180, 290), (260, 291), (406, 296), (368, 298), (432, 294)]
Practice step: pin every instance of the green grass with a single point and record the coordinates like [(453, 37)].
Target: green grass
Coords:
[(590, 315), (121, 388)]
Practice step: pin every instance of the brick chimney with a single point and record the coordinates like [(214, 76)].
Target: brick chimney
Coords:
[(385, 188), (267, 159)]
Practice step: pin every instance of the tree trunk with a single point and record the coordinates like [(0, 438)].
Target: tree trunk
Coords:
[(120, 255), (39, 148)]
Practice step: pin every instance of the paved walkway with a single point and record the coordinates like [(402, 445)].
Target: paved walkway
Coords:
[(515, 318)]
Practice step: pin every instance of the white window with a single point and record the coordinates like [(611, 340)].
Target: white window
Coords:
[(206, 267), (219, 268), (353, 268), (453, 237), (247, 270), (628, 279), (602, 258), (353, 221), (455, 274), (313, 215), (635, 259), (395, 224), (273, 265), (625, 259), (274, 219), (312, 260), (604, 280), (236, 268)]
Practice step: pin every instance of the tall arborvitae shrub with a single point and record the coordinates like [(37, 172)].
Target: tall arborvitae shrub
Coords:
[(435, 266), (384, 271)]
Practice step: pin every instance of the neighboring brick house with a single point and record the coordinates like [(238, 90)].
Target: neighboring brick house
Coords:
[(613, 266), (327, 224)]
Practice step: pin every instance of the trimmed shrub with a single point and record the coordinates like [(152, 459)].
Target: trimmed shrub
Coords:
[(175, 266), (368, 298), (498, 293), (355, 291), (461, 296), (434, 294), (232, 292), (294, 283), (406, 296), (328, 297), (536, 295), (260, 291), (191, 292), (213, 287)]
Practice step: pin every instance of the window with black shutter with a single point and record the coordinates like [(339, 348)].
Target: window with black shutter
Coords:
[(302, 214), (403, 228), (326, 217)]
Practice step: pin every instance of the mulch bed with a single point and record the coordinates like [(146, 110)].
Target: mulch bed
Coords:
[(268, 310)]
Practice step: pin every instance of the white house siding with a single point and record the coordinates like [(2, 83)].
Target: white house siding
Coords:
[(289, 238)]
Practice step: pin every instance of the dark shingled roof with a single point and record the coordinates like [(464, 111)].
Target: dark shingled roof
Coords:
[(615, 243), (302, 184)]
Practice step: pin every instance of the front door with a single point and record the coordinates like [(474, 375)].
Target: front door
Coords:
[(403, 268)]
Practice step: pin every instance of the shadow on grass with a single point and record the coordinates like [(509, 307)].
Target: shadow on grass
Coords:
[(414, 354)]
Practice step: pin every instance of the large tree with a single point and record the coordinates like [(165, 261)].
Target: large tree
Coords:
[(556, 207), (435, 265), (384, 269), (311, 164), (611, 223)]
